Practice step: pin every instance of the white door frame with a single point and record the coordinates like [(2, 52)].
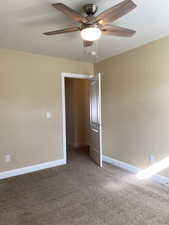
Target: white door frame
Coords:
[(63, 77)]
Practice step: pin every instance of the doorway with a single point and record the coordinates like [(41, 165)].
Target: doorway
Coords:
[(77, 115), (81, 104)]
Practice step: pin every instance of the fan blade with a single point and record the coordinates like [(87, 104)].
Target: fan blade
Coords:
[(87, 43), (67, 30), (70, 12), (117, 31), (116, 12)]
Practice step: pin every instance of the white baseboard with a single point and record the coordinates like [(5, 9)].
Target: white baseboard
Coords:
[(121, 164), (133, 169), (30, 169)]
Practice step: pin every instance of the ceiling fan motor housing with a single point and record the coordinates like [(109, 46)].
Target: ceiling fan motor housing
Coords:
[(90, 9)]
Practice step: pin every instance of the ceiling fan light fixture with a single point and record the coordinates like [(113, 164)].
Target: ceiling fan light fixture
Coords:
[(91, 33)]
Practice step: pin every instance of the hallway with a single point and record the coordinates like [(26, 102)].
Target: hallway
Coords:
[(81, 193)]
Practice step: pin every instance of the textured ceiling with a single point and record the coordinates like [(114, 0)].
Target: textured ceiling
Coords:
[(23, 22)]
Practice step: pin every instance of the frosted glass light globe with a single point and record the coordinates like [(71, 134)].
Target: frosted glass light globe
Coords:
[(91, 34)]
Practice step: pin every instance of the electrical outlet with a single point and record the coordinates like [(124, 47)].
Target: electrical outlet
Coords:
[(151, 159), (7, 158)]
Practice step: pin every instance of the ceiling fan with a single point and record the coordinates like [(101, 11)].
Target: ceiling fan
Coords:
[(90, 26)]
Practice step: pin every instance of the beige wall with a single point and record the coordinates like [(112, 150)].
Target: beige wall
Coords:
[(135, 106), (30, 86), (77, 107)]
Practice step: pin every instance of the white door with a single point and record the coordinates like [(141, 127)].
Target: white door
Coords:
[(95, 120)]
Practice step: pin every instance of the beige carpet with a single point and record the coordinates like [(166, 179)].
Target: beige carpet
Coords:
[(82, 194)]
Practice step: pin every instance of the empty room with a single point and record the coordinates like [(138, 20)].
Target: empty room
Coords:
[(84, 112)]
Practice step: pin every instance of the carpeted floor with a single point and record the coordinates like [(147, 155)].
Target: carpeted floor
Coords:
[(80, 193)]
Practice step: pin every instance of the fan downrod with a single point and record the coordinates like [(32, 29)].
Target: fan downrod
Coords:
[(90, 9)]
